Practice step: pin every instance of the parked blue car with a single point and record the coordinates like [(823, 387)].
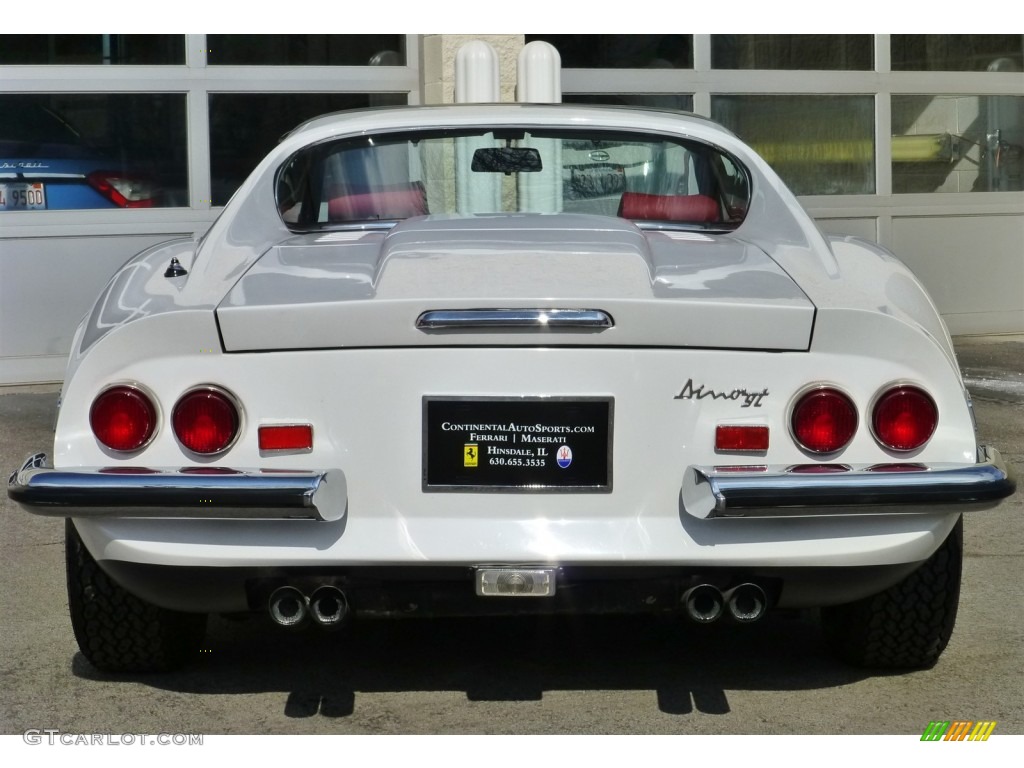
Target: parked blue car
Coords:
[(45, 163)]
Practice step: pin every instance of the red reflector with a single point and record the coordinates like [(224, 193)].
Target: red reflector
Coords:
[(741, 438), (123, 418), (904, 418), (824, 421), (205, 421), (287, 437)]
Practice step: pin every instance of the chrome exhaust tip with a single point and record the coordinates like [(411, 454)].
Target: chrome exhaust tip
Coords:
[(288, 607), (328, 606), (704, 603), (746, 602)]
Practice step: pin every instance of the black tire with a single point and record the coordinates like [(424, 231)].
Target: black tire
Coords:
[(118, 632), (908, 625)]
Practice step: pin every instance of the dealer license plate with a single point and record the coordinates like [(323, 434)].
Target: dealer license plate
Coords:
[(22, 197), (517, 444)]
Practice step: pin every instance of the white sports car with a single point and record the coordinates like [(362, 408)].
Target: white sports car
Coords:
[(506, 358)]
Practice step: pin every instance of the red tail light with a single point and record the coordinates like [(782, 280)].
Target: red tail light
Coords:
[(904, 418), (123, 190), (123, 418), (205, 421), (824, 421)]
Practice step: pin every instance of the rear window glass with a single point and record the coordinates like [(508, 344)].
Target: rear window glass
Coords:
[(649, 179)]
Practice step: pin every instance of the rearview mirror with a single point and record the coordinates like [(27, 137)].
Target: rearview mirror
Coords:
[(506, 160)]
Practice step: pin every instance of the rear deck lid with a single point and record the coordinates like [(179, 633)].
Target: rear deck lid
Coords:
[(512, 280)]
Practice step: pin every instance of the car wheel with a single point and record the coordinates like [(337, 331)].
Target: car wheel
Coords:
[(908, 625), (117, 631)]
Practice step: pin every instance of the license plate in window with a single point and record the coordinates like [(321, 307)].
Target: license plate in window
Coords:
[(22, 197)]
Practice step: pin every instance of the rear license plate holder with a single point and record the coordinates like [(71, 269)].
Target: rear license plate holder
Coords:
[(517, 444)]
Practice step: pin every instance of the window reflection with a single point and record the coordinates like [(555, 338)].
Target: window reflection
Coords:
[(93, 49), (621, 51), (830, 52), (957, 143), (957, 53), (244, 127), (306, 50), (68, 151), (819, 145)]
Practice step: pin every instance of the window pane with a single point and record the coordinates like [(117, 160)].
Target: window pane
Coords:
[(791, 52), (64, 151), (957, 143), (244, 127), (604, 173), (659, 100), (93, 49), (958, 53), (819, 145), (306, 50), (622, 51)]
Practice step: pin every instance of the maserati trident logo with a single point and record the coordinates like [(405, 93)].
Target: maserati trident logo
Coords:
[(700, 392)]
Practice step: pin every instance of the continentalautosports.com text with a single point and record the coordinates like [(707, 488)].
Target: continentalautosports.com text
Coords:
[(52, 736)]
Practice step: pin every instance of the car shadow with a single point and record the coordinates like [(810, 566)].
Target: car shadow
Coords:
[(508, 659)]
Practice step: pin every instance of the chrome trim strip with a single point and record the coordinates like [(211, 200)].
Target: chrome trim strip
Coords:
[(780, 492), (48, 175), (520, 319), (197, 492)]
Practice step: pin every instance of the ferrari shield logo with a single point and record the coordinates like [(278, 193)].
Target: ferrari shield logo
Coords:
[(470, 455)]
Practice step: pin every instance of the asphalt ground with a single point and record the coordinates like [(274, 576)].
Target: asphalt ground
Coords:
[(627, 675)]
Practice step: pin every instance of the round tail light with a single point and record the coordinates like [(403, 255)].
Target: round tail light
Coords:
[(824, 421), (904, 418), (123, 418), (205, 421)]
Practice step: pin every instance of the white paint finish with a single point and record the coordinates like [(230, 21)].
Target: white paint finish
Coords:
[(662, 290), (367, 408)]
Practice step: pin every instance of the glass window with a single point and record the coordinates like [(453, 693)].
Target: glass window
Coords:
[(652, 179), (244, 127), (681, 101), (819, 145), (957, 53), (957, 143), (621, 51), (65, 151), (851, 52), (306, 50), (93, 49)]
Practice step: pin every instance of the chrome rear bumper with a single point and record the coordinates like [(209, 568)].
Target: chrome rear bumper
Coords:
[(816, 490), (197, 492)]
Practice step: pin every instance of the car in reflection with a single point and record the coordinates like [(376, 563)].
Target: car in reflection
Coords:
[(507, 359), (46, 164)]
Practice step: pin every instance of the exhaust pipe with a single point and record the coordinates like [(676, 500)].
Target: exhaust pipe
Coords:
[(288, 607), (328, 606), (704, 603), (746, 602)]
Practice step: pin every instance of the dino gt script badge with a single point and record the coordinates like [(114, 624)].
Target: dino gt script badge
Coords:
[(749, 399)]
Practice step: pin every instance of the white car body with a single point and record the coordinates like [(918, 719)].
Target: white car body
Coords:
[(708, 328)]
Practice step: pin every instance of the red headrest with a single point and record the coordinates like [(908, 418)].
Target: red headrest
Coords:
[(382, 204), (640, 205)]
